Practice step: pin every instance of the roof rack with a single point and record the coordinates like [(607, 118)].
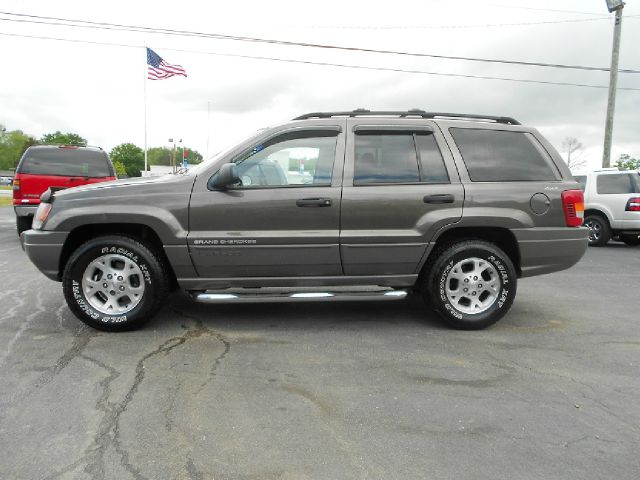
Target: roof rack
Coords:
[(62, 145), (415, 112)]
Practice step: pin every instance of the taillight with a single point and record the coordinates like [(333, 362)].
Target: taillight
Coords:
[(633, 205), (41, 215), (573, 205), (17, 193)]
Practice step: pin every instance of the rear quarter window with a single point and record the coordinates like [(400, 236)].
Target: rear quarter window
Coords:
[(502, 156), (66, 162), (617, 183)]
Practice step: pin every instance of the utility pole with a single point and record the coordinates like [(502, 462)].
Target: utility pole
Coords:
[(617, 6)]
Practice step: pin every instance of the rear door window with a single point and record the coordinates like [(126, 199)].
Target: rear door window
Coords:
[(502, 156), (397, 157), (66, 162), (617, 183)]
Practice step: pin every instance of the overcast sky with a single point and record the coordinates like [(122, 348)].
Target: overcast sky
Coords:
[(97, 90)]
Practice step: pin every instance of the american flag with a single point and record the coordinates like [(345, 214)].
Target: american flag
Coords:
[(159, 69)]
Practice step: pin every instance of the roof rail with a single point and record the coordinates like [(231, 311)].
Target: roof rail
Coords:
[(415, 112), (63, 145)]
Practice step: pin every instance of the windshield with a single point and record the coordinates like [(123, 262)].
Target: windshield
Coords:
[(217, 156), (66, 162)]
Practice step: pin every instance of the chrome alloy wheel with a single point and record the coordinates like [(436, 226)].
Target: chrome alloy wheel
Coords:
[(472, 285), (113, 284), (595, 230)]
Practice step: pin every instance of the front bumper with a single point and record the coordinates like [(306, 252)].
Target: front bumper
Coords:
[(44, 249), (546, 250), (25, 210)]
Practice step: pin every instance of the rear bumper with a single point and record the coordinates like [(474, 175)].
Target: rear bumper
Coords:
[(44, 249), (25, 210), (546, 250), (627, 226)]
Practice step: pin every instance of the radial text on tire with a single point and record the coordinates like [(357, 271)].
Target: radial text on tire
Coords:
[(472, 284), (114, 283)]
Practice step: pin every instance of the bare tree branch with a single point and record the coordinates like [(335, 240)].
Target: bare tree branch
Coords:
[(573, 149)]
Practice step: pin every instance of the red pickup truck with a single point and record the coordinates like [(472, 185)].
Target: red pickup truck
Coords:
[(61, 166)]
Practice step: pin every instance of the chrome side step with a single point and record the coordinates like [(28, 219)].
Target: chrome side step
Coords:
[(265, 295)]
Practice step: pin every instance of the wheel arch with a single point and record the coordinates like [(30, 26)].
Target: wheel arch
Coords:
[(503, 238), (141, 232), (599, 212)]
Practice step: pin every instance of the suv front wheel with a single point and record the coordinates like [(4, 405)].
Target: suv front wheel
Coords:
[(114, 283), (472, 284)]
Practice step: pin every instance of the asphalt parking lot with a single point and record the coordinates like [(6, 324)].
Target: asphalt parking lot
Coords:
[(325, 391)]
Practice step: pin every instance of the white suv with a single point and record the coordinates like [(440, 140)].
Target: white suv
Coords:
[(612, 205)]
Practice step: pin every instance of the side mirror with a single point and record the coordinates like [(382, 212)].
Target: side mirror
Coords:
[(226, 176)]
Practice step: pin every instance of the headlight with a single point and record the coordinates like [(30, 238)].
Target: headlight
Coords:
[(41, 215)]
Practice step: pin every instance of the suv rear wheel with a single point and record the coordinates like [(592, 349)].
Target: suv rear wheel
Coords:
[(472, 284), (599, 231), (114, 283)]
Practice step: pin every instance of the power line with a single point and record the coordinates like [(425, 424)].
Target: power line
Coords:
[(444, 27), (551, 10), (324, 64), (218, 36)]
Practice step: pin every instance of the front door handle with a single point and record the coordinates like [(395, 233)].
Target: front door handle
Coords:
[(314, 202), (439, 198)]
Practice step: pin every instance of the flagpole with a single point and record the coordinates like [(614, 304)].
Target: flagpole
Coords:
[(145, 111), (208, 128)]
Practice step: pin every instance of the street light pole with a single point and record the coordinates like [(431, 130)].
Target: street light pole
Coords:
[(613, 83)]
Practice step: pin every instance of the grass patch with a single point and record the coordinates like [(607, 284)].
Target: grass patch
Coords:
[(6, 201), (5, 187)]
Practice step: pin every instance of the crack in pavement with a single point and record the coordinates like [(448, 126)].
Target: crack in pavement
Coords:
[(111, 428), (219, 358), (193, 472), (81, 338)]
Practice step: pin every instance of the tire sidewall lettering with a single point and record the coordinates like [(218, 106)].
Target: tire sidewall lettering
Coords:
[(80, 298), (503, 294)]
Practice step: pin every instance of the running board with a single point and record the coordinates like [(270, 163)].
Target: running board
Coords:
[(254, 295)]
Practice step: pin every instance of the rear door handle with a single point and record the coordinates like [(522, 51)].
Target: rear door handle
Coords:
[(314, 202), (439, 198)]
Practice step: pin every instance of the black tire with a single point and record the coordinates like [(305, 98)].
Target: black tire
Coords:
[(599, 231), (498, 268), (631, 240), (147, 272), (23, 223)]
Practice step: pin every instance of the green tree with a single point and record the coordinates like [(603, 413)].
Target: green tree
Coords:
[(162, 156), (131, 156), (59, 138), (12, 146), (625, 162), (159, 156), (121, 170)]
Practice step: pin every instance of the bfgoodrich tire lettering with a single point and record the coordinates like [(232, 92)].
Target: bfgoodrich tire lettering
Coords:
[(487, 274), (100, 308)]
